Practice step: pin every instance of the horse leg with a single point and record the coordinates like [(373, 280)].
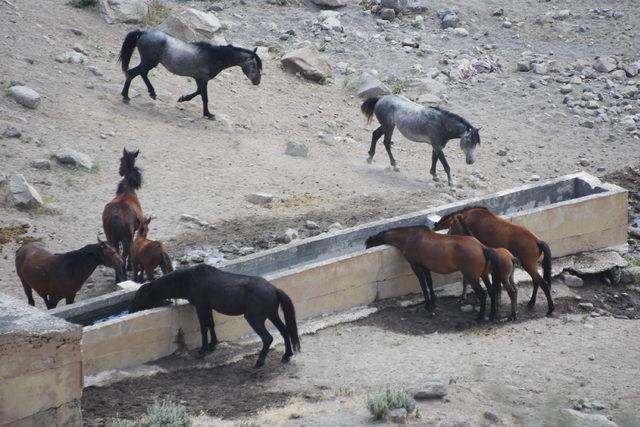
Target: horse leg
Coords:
[(150, 275), (145, 78), (27, 290), (374, 140), (494, 313), (189, 97), (427, 275), (69, 300), (257, 323), (532, 270), (513, 296), (53, 302), (212, 331), (463, 297), (447, 169), (275, 319), (203, 316), (417, 270), (481, 295), (434, 161), (205, 100), (131, 74), (387, 145)]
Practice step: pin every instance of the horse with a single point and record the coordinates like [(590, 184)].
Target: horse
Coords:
[(427, 251), (209, 288), (123, 214), (507, 267), (496, 232), (418, 123), (199, 60), (147, 254), (60, 275)]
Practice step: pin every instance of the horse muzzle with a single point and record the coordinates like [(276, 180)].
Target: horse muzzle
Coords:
[(471, 161)]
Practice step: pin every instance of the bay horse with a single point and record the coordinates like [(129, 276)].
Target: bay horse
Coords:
[(418, 123), (200, 60), (507, 267), (55, 276), (123, 214), (496, 232), (147, 254), (427, 251), (209, 288)]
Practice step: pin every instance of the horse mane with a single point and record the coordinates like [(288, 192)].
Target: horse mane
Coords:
[(75, 258), (453, 116), (131, 181), (450, 215), (227, 51)]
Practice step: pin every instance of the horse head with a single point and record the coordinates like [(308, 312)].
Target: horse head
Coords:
[(468, 142), (375, 240), (252, 67), (109, 256), (142, 300), (143, 229), (127, 161)]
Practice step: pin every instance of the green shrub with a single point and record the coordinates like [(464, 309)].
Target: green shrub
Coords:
[(155, 14), (380, 405), (161, 414)]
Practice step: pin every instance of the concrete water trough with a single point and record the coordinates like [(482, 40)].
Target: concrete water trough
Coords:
[(333, 272)]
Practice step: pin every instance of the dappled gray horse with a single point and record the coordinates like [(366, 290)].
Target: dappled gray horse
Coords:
[(199, 60), (420, 124)]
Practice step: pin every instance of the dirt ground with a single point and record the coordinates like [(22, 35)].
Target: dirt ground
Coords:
[(523, 371), (206, 169)]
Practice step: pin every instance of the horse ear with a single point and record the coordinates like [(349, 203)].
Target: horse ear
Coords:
[(124, 152), (255, 50), (99, 241), (136, 153)]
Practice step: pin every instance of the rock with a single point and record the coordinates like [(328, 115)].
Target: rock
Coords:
[(460, 32), (468, 308), (630, 275), (449, 19), (367, 86), (592, 263), (429, 99), (491, 417), (259, 198), (588, 72), (122, 11), (191, 25), (561, 15), (507, 24), (573, 418), (311, 225), (454, 421), (22, 194), (534, 177), (330, 3), (564, 89), (25, 96), (8, 130), (628, 122), (605, 65), (539, 68), (586, 123), (41, 164), (71, 57), (289, 235), (335, 227), (434, 387), (572, 281), (297, 149), (632, 69), (398, 416), (397, 5), (246, 250), (196, 220), (387, 14), (332, 24), (502, 153), (523, 66), (68, 156), (618, 75), (308, 62), (587, 306), (95, 71)]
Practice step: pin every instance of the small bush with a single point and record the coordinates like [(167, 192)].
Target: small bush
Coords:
[(155, 14), (246, 424), (380, 405), (161, 414), (398, 86), (82, 3)]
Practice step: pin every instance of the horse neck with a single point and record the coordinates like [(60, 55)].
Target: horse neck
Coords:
[(396, 238), (82, 262), (236, 57), (454, 127), (169, 286)]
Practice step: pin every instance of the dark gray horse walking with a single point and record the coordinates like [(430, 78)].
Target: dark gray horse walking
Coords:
[(199, 60), (420, 124)]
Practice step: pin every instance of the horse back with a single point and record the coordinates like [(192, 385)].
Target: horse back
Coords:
[(35, 264), (445, 254)]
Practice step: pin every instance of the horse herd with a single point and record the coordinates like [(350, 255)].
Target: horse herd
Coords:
[(479, 244)]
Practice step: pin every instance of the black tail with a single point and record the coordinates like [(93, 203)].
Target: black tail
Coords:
[(546, 261), (289, 318), (128, 46), (368, 106), (166, 265), (496, 274), (116, 233)]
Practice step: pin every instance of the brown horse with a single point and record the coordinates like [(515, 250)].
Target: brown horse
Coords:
[(496, 232), (147, 254), (57, 276), (427, 251), (122, 216), (507, 266)]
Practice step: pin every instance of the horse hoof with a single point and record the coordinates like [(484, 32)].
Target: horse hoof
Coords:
[(286, 358), (549, 314), (435, 178), (259, 364), (210, 348), (396, 169), (200, 354), (125, 100), (531, 305), (181, 99), (210, 116), (512, 318), (369, 160), (153, 96)]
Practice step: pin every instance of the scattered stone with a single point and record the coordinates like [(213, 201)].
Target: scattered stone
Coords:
[(289, 235), (95, 71), (539, 68), (586, 123), (573, 418), (534, 178), (8, 130), (523, 66), (628, 122), (454, 421), (605, 65), (561, 15), (259, 198), (410, 43), (69, 156), (491, 417), (308, 62), (71, 57), (630, 275), (25, 96), (564, 89), (398, 416), (22, 194), (387, 14), (502, 153), (330, 3), (332, 24), (632, 69), (191, 25), (434, 387), (572, 281), (586, 306), (397, 5), (297, 149), (448, 19), (460, 32), (311, 225), (122, 11), (507, 24), (367, 86), (196, 220), (246, 250), (468, 308), (41, 164), (335, 227)]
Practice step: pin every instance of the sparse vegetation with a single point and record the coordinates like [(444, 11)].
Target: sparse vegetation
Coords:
[(82, 3), (246, 424), (155, 14), (399, 85), (161, 414), (380, 405)]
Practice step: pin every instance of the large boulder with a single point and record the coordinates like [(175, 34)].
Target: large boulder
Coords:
[(605, 65), (191, 25), (122, 11), (25, 96), (308, 62), (69, 156), (22, 194), (330, 3), (573, 418), (367, 86)]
